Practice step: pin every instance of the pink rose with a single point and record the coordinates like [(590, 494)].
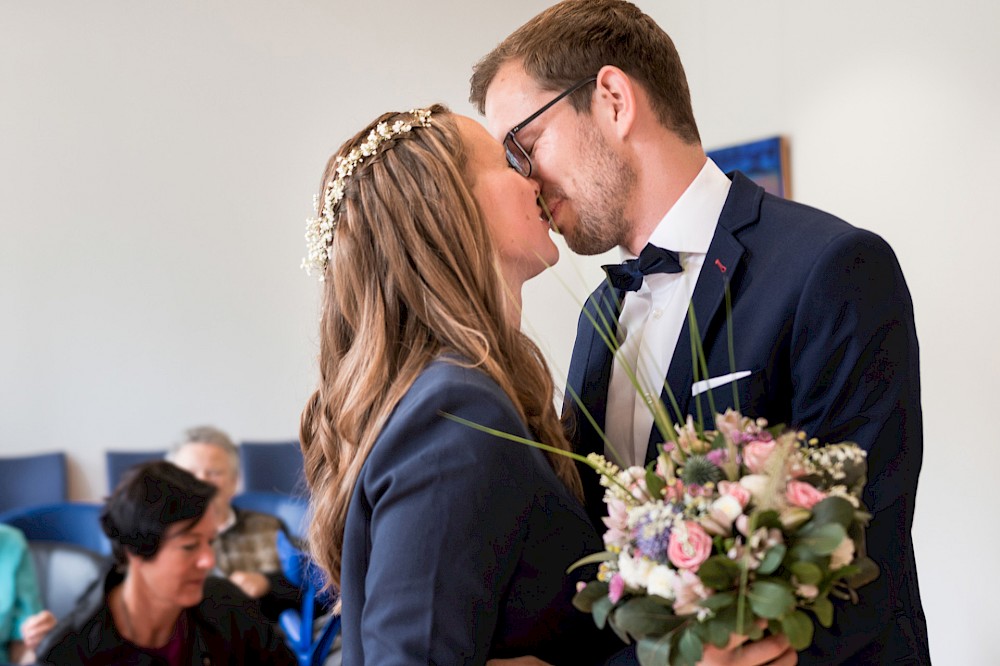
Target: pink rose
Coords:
[(756, 455), (734, 489), (800, 493), (689, 546)]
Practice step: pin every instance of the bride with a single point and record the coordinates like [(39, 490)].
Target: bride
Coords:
[(448, 545)]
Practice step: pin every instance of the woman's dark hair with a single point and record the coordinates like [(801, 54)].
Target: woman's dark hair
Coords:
[(150, 498)]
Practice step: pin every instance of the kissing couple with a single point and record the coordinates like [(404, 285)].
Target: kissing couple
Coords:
[(450, 545)]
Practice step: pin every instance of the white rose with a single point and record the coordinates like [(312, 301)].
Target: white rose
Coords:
[(661, 581), (721, 515), (635, 570)]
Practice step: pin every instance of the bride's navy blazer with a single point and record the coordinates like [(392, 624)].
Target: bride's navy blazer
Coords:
[(823, 320), (457, 541)]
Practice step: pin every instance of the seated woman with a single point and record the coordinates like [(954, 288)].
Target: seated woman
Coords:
[(23, 623), (158, 605), (448, 545)]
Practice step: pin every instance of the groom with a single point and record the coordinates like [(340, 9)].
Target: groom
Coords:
[(591, 100)]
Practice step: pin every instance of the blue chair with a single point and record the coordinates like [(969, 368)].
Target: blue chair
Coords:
[(118, 462), (292, 511), (273, 467), (64, 573), (32, 480), (309, 650), (77, 523)]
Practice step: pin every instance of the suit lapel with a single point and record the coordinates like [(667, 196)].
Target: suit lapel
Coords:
[(725, 255), (591, 382)]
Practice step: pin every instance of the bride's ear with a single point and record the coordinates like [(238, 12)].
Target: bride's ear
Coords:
[(615, 99)]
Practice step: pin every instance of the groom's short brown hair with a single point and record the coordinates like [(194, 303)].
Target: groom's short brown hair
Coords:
[(575, 38)]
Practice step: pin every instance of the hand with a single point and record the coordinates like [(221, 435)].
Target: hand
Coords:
[(253, 584), (33, 629), (518, 661), (773, 651)]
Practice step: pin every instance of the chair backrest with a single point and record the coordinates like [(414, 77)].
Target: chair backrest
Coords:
[(292, 511), (310, 649), (272, 467), (75, 523), (32, 480), (64, 573), (117, 462)]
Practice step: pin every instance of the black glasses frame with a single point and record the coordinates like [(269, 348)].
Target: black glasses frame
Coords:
[(517, 156)]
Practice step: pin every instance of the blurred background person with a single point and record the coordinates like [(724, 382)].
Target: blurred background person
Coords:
[(159, 605), (246, 550), (23, 622)]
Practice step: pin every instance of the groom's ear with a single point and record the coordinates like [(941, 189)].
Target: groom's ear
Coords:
[(614, 105)]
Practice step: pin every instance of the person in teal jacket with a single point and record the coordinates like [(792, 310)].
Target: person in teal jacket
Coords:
[(23, 621)]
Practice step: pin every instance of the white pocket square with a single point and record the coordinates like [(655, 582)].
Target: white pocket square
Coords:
[(707, 384)]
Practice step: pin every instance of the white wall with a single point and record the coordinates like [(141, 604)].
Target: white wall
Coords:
[(157, 162)]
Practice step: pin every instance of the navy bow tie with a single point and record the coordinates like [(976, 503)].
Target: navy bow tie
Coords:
[(628, 274)]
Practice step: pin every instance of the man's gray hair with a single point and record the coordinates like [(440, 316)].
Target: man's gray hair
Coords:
[(207, 435)]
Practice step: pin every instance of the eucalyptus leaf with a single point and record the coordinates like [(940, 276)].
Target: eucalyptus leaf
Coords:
[(807, 573), (654, 651), (823, 608), (772, 559), (585, 598), (642, 617), (822, 539), (717, 630), (690, 648), (798, 628), (719, 572), (770, 599), (717, 602), (654, 484), (833, 510), (600, 610), (617, 628)]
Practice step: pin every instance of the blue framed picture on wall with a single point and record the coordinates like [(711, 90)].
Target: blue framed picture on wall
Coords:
[(765, 162)]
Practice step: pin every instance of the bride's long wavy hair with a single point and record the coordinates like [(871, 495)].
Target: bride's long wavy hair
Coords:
[(413, 275)]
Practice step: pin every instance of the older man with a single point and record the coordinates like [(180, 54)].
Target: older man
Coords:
[(246, 551)]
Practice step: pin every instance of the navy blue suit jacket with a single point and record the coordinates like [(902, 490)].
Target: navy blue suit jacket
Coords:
[(457, 542), (823, 319)]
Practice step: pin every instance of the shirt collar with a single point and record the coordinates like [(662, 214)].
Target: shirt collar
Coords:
[(690, 223), (230, 521)]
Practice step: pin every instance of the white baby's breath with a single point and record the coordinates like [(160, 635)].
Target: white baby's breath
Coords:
[(320, 229)]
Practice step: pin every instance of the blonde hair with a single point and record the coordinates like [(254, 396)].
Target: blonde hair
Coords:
[(412, 275)]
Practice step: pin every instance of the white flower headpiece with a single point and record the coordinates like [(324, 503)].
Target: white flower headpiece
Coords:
[(320, 229)]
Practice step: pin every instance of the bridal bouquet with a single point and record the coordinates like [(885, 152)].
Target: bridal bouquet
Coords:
[(732, 530)]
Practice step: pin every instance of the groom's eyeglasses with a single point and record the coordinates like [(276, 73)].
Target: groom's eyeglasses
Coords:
[(517, 156)]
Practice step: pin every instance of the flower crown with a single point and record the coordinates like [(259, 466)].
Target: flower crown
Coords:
[(320, 229)]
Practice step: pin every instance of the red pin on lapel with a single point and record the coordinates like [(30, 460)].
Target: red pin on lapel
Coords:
[(722, 267)]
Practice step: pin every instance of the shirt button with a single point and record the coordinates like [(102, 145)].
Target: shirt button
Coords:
[(649, 398), (657, 313)]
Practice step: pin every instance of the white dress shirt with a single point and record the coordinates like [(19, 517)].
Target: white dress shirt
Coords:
[(652, 317)]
